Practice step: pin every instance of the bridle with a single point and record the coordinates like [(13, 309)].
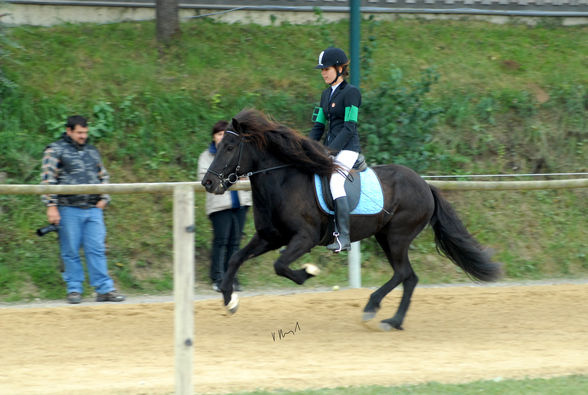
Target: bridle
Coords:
[(232, 178)]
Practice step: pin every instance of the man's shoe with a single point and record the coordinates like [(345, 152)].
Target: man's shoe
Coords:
[(111, 296), (216, 287), (74, 297)]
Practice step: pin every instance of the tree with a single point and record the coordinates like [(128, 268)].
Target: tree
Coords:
[(167, 20)]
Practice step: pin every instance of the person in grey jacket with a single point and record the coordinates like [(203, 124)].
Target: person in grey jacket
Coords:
[(227, 212), (68, 161)]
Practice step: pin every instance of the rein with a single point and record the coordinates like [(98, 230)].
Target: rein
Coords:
[(232, 178), (252, 173)]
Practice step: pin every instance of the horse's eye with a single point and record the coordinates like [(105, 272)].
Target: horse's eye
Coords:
[(230, 148)]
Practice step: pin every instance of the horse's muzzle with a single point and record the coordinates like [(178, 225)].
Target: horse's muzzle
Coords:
[(213, 185)]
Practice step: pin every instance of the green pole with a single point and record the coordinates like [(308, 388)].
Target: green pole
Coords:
[(354, 257), (354, 22)]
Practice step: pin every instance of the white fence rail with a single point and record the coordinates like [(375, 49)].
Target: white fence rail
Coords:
[(168, 187), (183, 227)]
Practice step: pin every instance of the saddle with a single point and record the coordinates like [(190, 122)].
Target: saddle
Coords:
[(362, 187), (352, 188)]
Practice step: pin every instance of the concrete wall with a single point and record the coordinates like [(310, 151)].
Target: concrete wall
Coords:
[(50, 12)]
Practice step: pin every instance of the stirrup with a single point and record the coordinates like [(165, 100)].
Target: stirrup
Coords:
[(337, 250)]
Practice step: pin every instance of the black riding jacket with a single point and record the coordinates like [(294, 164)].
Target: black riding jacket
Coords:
[(341, 112)]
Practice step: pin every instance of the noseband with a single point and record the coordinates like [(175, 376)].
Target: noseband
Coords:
[(232, 178)]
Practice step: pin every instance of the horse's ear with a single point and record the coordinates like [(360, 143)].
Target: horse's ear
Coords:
[(236, 125)]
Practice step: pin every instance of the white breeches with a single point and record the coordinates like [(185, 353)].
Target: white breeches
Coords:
[(346, 159)]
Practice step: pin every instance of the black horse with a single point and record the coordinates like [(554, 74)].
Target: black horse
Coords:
[(281, 162)]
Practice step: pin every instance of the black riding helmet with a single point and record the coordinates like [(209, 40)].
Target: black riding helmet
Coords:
[(332, 57)]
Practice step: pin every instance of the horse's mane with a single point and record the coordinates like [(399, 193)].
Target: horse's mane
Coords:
[(289, 145)]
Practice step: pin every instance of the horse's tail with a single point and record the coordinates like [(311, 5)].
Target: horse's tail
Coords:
[(455, 242)]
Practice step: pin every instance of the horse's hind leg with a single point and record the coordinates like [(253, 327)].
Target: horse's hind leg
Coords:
[(408, 287), (396, 250)]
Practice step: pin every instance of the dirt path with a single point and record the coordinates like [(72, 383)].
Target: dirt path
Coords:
[(452, 334)]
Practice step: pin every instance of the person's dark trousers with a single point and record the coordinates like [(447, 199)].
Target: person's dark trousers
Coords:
[(228, 228), (222, 224), (239, 216)]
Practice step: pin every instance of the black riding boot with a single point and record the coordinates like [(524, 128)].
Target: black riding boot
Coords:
[(342, 242)]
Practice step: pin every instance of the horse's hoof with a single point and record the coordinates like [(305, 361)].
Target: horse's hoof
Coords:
[(388, 325), (368, 315), (233, 303), (311, 269)]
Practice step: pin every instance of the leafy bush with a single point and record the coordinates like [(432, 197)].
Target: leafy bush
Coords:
[(397, 122), (103, 124)]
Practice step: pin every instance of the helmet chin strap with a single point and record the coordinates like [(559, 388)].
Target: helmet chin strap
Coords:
[(339, 74)]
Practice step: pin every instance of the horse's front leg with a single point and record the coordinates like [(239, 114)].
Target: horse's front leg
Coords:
[(298, 246), (255, 247)]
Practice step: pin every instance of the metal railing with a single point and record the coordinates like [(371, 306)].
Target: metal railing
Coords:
[(513, 8), (371, 6)]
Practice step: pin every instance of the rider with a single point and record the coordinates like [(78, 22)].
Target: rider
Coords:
[(339, 106)]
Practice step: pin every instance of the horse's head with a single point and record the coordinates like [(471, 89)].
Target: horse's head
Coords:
[(254, 144), (227, 166)]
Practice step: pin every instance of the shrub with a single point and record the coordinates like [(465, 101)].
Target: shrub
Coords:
[(397, 122)]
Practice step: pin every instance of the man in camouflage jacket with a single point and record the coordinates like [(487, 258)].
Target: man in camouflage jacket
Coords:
[(69, 161)]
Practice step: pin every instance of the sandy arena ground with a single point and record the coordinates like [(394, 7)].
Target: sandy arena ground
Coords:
[(452, 334)]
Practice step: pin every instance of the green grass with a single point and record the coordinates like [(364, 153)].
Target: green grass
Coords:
[(513, 99), (569, 385)]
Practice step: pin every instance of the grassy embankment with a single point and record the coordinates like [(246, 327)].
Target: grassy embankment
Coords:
[(513, 99), (570, 385)]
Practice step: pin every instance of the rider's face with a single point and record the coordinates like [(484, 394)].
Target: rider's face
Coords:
[(329, 74)]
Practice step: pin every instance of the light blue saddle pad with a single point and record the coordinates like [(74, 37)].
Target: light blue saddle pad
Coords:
[(371, 199)]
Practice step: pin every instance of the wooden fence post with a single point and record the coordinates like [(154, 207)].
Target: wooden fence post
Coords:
[(184, 287)]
